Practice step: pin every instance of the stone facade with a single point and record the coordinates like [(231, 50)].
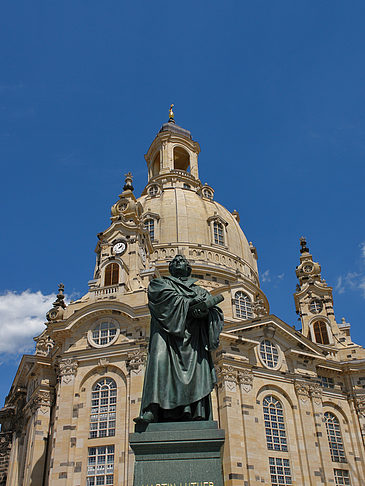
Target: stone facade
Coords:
[(292, 402)]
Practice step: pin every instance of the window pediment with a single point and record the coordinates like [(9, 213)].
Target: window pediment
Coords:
[(218, 219), (150, 215)]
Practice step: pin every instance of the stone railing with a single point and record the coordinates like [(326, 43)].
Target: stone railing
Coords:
[(207, 254), (105, 290)]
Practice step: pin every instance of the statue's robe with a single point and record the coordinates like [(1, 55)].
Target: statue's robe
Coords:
[(179, 369)]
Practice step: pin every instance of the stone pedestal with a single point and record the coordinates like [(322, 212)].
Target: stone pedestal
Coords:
[(178, 454)]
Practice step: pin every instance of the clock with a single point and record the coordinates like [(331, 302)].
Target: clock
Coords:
[(308, 268), (119, 248)]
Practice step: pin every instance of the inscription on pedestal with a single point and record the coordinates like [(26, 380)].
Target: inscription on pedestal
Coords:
[(178, 454)]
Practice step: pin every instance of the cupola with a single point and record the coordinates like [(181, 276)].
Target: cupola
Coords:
[(172, 151)]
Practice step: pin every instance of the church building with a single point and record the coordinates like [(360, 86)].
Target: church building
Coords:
[(291, 402)]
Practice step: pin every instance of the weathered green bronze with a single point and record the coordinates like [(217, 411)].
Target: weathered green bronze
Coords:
[(185, 327)]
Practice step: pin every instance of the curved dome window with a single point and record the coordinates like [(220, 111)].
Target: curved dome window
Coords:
[(207, 193), (320, 332), (181, 159), (104, 333), (218, 233), (269, 354), (243, 305), (111, 274), (149, 224), (103, 408), (316, 306)]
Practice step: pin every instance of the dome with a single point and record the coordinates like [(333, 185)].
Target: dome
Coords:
[(182, 215)]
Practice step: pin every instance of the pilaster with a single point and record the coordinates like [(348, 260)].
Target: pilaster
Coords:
[(230, 413)]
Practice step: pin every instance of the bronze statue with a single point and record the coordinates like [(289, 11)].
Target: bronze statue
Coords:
[(185, 327), (171, 113)]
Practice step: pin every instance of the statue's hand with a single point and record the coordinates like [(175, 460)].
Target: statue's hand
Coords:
[(199, 313)]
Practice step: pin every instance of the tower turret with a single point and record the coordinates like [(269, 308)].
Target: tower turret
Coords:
[(314, 304)]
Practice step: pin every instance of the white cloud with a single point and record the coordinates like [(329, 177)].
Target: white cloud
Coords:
[(362, 286), (22, 316), (353, 280), (339, 286), (281, 276), (265, 276), (362, 247)]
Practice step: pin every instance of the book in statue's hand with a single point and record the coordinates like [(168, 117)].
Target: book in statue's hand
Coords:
[(203, 306)]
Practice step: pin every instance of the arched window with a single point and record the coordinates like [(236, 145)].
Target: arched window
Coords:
[(156, 165), (111, 274), (181, 159), (218, 233), (334, 438), (320, 332), (243, 305), (103, 408), (274, 424), (149, 224)]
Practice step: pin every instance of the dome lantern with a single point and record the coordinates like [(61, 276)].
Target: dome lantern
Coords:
[(173, 150)]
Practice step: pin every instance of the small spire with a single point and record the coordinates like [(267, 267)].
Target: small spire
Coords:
[(60, 301), (128, 186), (171, 114), (303, 244)]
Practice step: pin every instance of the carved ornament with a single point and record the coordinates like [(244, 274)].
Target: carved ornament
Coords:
[(136, 360), (259, 307), (227, 375), (245, 378), (44, 346), (316, 393), (302, 390), (360, 405), (306, 390), (68, 368), (42, 402)]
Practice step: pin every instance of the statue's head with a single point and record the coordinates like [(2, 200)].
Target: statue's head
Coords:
[(180, 267)]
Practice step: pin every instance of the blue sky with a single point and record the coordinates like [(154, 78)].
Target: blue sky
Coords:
[(273, 91)]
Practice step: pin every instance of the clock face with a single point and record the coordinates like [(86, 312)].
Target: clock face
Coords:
[(307, 268), (119, 248)]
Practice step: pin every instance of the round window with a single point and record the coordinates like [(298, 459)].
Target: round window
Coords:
[(153, 191), (269, 354), (315, 306), (104, 333)]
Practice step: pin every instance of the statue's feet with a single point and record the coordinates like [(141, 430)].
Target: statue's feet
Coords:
[(147, 418)]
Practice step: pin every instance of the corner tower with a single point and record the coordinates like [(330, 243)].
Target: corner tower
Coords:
[(314, 305)]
